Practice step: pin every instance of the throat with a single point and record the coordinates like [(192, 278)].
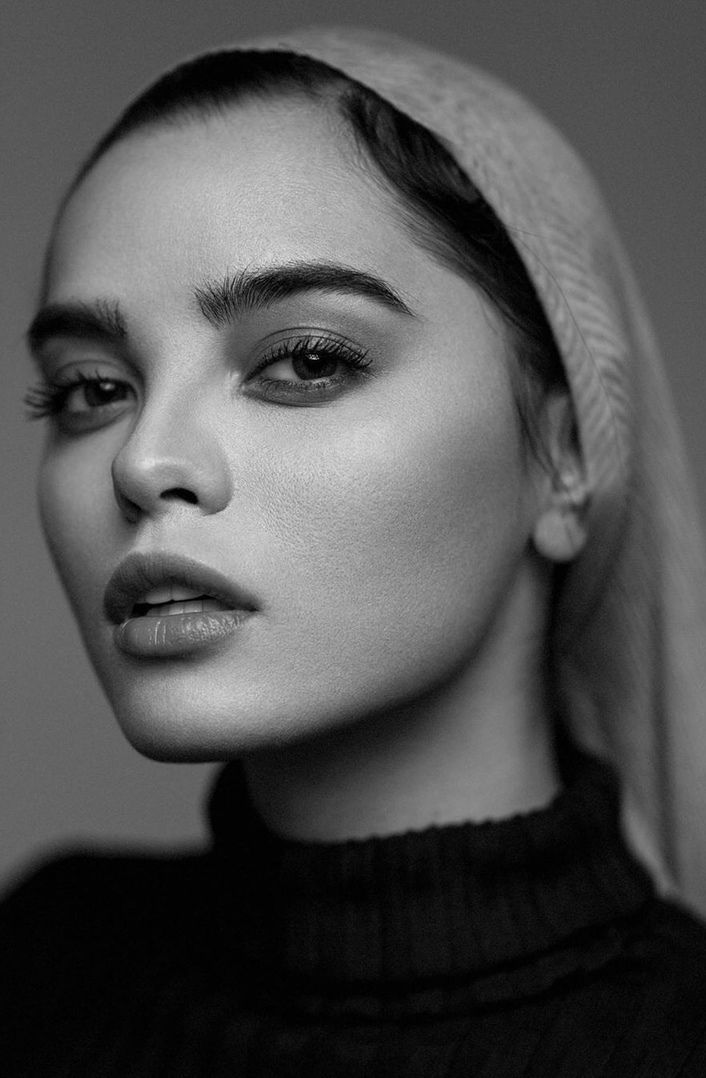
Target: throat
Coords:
[(408, 776)]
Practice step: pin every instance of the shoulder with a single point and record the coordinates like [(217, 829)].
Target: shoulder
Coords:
[(80, 893), (639, 1014), (77, 936), (76, 917), (676, 928), (646, 1013), (671, 954), (91, 889)]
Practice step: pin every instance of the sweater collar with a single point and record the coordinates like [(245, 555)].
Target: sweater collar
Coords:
[(492, 907)]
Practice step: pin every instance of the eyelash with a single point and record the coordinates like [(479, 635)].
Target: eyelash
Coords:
[(48, 400), (326, 348)]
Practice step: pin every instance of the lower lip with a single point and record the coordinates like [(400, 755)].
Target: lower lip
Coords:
[(177, 634)]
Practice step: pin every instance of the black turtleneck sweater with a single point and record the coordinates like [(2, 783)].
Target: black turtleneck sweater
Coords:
[(532, 946)]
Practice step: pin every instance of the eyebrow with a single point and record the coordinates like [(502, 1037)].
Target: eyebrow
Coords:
[(100, 320), (227, 299), (219, 301)]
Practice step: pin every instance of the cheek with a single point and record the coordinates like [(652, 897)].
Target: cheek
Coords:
[(74, 504), (408, 525)]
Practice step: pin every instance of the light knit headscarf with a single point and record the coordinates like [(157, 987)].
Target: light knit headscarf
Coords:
[(631, 634)]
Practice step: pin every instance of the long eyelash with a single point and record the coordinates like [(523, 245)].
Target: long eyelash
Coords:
[(323, 346), (45, 399)]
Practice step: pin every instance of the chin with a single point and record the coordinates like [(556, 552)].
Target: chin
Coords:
[(171, 729), (194, 737)]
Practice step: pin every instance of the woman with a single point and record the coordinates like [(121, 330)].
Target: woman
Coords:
[(360, 472)]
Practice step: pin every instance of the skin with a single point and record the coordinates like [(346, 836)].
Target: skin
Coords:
[(392, 675)]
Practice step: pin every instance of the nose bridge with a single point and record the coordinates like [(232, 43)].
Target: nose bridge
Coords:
[(173, 453)]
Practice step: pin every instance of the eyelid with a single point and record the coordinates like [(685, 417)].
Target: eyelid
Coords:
[(304, 330), (308, 341), (55, 356)]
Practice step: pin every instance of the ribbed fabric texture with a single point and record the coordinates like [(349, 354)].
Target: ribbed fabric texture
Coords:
[(442, 902), (532, 946)]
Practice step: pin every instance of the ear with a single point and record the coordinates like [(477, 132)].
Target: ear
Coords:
[(559, 532)]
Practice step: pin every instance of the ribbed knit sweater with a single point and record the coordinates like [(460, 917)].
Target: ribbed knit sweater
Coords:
[(532, 946)]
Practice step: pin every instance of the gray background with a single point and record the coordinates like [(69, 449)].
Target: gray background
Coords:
[(624, 79)]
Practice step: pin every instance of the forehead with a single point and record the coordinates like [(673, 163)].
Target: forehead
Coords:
[(259, 183)]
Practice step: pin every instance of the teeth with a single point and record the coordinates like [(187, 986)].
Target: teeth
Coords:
[(168, 593), (158, 595), (192, 606)]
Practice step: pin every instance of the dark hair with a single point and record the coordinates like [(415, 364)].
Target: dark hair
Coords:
[(440, 206)]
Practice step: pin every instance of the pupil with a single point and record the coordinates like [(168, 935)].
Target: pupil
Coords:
[(98, 393), (312, 365)]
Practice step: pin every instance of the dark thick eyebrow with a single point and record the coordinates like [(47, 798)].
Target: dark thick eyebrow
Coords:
[(219, 301), (237, 294), (99, 321)]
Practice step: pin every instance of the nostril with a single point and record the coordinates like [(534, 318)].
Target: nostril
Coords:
[(180, 494)]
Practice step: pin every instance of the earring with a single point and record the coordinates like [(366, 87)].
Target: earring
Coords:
[(571, 489), (559, 533)]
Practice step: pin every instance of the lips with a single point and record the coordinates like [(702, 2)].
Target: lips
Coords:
[(142, 578)]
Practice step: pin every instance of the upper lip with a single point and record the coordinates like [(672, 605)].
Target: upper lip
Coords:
[(139, 574)]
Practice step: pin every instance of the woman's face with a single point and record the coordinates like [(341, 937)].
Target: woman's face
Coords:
[(260, 373)]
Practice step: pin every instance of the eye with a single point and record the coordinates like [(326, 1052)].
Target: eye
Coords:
[(308, 370), (94, 393), (80, 401), (308, 366)]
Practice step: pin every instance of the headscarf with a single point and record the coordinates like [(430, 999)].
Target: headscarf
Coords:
[(631, 619)]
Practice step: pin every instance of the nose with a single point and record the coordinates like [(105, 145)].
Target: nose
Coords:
[(172, 457)]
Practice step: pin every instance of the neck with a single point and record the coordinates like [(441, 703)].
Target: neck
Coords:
[(478, 747)]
